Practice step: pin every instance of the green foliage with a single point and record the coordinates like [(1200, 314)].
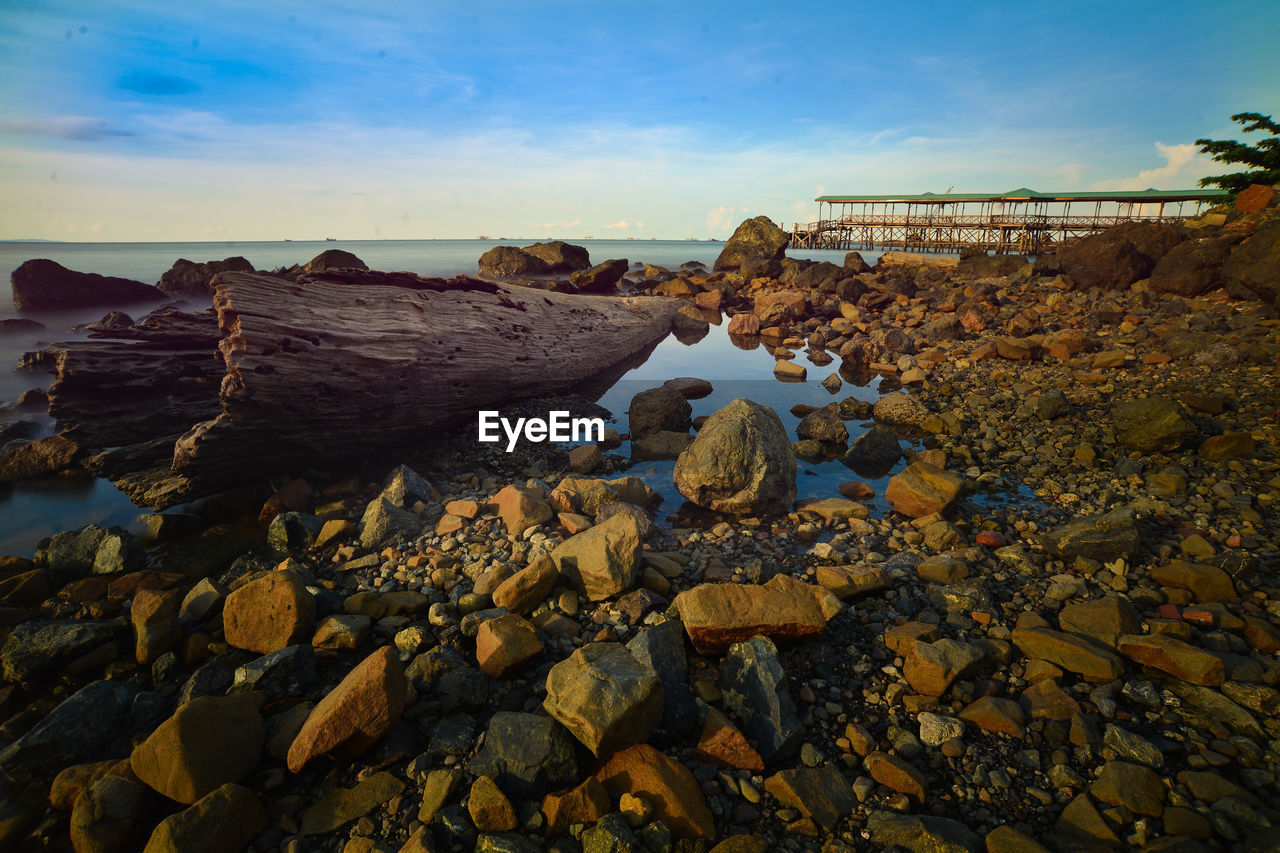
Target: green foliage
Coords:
[(1264, 157)]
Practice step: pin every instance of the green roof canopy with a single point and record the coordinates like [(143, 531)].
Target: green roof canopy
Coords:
[(1024, 194)]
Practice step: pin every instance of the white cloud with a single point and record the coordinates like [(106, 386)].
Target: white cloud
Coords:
[(619, 225), (1183, 167)]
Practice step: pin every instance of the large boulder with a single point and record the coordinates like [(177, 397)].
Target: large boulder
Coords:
[(507, 261), (350, 718), (718, 615), (658, 409), (741, 462), (874, 453), (1116, 258), (603, 560), (526, 754), (36, 458), (1253, 268), (560, 256), (270, 613), (208, 742), (754, 238), (334, 259), (227, 818), (605, 697), (42, 284), (1191, 268), (187, 278), (602, 278), (1151, 423)]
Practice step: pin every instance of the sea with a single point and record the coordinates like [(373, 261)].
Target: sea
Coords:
[(32, 511)]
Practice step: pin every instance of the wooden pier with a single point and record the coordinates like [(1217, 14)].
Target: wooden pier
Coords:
[(1021, 221)]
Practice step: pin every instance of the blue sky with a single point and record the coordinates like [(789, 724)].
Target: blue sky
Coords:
[(260, 120)]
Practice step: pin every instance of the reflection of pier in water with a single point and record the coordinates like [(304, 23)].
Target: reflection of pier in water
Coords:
[(1022, 220)]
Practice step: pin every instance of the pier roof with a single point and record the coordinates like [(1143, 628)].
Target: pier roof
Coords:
[(1024, 194)]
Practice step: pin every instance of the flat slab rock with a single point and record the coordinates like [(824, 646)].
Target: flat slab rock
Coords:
[(718, 615)]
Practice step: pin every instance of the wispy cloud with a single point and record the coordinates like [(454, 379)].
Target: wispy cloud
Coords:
[(71, 127)]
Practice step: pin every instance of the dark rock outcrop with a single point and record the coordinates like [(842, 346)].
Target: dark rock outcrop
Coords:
[(1253, 268), (560, 256), (1116, 258), (602, 278), (506, 261), (42, 284), (1191, 268), (333, 259), (754, 238), (187, 278)]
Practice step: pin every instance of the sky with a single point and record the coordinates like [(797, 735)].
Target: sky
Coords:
[(265, 120)]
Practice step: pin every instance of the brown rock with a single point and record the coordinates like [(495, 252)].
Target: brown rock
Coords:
[(155, 624), (603, 560), (42, 456), (1255, 197), (489, 808), (1070, 652), (361, 709), (745, 323), (923, 489), (227, 818), (1006, 839), (718, 615), (106, 815), (506, 645), (1104, 619), (667, 785), (68, 784), (902, 638), (850, 581), (521, 507), (1046, 700), (1207, 583), (931, 668), (892, 772), (993, 714), (586, 803), (207, 742), (1231, 445), (604, 696), (722, 743), (25, 589), (1173, 656), (1133, 786), (1081, 819), (270, 613)]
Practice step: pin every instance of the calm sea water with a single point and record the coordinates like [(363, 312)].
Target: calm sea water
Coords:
[(32, 511)]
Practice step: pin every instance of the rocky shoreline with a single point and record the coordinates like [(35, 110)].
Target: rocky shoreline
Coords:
[(510, 652)]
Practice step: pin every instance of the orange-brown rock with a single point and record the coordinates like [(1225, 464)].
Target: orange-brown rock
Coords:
[(1105, 619), (849, 581), (489, 808), (362, 708), (892, 772), (1207, 583), (993, 714), (902, 638), (586, 803), (745, 323), (722, 743), (226, 818), (208, 742), (931, 668), (718, 615), (1046, 700), (270, 613), (506, 645), (1173, 656), (1072, 653), (155, 624), (521, 507), (923, 489), (527, 588), (667, 785), (1255, 197)]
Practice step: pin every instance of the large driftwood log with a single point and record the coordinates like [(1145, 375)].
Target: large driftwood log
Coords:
[(339, 366)]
